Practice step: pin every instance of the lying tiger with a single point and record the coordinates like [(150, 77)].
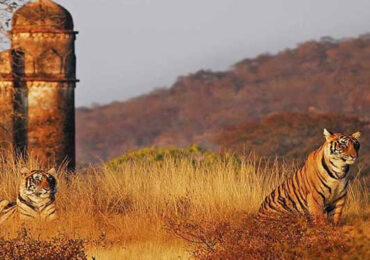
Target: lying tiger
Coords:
[(319, 188), (36, 197)]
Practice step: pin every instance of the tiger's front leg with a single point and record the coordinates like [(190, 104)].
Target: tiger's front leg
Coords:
[(49, 213), (316, 209), (335, 214)]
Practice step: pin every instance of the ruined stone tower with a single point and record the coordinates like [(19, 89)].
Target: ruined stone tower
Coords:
[(6, 103), (41, 83)]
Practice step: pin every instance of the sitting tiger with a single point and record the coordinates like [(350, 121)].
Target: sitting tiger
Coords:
[(36, 197), (319, 188)]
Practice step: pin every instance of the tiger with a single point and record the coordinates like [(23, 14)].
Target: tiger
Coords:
[(319, 189), (35, 199)]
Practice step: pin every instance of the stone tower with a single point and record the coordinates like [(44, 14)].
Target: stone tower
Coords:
[(6, 103), (42, 82)]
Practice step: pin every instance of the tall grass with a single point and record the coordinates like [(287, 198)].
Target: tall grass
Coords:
[(130, 204)]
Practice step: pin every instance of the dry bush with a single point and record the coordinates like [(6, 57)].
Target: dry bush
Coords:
[(24, 246), (286, 239)]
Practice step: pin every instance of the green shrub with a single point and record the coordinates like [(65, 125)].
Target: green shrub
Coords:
[(196, 154)]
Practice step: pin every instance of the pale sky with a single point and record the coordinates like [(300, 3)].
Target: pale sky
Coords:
[(129, 47)]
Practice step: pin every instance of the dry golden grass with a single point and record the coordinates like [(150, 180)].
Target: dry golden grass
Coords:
[(124, 212)]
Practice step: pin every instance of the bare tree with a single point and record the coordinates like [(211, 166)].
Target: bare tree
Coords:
[(7, 9)]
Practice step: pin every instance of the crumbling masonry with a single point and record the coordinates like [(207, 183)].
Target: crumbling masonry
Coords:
[(37, 85)]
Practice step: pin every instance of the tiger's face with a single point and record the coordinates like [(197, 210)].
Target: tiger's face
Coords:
[(38, 183), (342, 149)]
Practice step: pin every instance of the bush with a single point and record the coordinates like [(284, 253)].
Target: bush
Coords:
[(286, 239), (24, 246), (153, 155)]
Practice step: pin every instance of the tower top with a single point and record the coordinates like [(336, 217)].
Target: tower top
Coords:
[(42, 15)]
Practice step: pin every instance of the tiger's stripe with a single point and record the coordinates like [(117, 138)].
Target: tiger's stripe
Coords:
[(36, 198), (319, 189), (42, 209)]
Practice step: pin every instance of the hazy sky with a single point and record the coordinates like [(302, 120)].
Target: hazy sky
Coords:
[(129, 47)]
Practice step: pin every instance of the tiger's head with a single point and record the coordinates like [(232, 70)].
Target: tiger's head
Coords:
[(38, 183), (342, 149)]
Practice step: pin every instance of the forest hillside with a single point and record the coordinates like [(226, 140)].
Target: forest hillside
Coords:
[(316, 78)]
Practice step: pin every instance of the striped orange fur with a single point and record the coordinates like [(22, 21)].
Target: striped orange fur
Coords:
[(319, 188)]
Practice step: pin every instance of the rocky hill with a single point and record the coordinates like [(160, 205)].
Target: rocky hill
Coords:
[(316, 77)]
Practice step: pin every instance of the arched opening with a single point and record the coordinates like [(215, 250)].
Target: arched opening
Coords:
[(50, 63)]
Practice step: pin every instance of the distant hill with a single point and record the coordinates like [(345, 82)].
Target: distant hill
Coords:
[(317, 77), (292, 135)]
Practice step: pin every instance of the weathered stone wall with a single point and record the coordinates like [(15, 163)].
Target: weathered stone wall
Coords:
[(47, 55), (6, 116), (5, 64), (6, 103), (49, 80), (51, 121)]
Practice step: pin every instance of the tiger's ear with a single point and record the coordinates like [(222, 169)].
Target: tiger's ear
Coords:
[(52, 171), (327, 134), (356, 135), (25, 171)]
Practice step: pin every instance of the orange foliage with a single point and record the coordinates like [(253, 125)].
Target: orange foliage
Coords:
[(285, 239), (292, 135)]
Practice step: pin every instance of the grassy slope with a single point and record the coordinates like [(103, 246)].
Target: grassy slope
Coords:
[(129, 208)]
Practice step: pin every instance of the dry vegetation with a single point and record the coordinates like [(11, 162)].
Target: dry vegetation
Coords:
[(293, 135), (138, 208)]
